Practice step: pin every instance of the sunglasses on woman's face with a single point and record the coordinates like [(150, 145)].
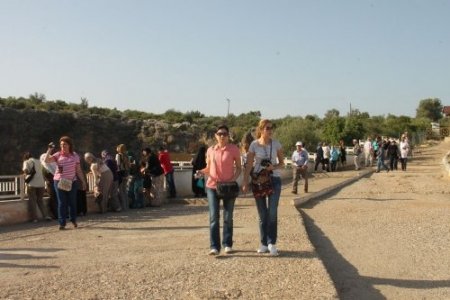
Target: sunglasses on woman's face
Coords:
[(268, 127), (222, 133)]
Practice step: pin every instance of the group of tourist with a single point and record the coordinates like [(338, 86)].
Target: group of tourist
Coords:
[(330, 157), (379, 150), (119, 181)]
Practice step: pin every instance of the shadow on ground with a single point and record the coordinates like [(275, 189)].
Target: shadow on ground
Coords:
[(346, 278)]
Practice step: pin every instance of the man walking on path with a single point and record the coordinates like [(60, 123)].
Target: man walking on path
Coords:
[(356, 154), (300, 159)]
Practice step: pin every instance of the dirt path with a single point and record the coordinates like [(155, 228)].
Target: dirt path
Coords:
[(388, 235), (160, 254)]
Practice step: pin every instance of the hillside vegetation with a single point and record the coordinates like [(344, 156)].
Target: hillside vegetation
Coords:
[(30, 123)]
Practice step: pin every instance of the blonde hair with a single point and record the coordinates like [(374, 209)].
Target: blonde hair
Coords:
[(121, 148), (261, 125)]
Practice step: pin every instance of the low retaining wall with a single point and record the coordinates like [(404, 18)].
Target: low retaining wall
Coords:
[(446, 160), (16, 211)]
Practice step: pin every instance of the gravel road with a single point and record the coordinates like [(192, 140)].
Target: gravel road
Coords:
[(385, 236), (388, 235), (160, 254)]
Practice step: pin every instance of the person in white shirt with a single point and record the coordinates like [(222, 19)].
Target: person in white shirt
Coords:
[(35, 187), (326, 156), (368, 152), (300, 159), (404, 150)]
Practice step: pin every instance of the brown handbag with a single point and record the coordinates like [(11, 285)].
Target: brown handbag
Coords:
[(262, 184), (262, 181)]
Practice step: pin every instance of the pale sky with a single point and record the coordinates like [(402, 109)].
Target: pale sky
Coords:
[(279, 57)]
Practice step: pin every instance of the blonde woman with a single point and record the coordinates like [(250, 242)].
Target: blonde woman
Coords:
[(266, 153)]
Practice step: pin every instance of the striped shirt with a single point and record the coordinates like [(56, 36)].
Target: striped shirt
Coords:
[(67, 164)]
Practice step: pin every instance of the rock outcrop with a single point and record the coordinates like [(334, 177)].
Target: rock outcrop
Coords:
[(31, 130)]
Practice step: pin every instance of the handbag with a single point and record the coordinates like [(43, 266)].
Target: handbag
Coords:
[(65, 184), (200, 183), (29, 176), (227, 190), (262, 184)]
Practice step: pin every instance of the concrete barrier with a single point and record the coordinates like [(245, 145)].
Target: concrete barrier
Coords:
[(299, 201)]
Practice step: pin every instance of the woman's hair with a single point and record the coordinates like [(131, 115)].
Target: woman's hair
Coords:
[(223, 126), (261, 125), (247, 139), (92, 158), (27, 155), (121, 149), (68, 141)]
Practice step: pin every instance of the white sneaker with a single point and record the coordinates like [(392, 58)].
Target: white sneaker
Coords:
[(263, 249), (213, 251), (273, 250), (228, 250)]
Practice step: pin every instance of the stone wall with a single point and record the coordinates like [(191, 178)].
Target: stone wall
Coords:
[(31, 130)]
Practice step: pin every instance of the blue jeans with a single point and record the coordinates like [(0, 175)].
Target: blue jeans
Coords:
[(214, 220), (380, 163), (171, 184), (67, 199), (135, 192), (268, 214)]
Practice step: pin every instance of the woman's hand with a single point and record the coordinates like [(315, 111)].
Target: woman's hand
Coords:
[(244, 186)]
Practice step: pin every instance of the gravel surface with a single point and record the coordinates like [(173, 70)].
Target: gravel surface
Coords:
[(388, 235), (384, 236), (161, 253)]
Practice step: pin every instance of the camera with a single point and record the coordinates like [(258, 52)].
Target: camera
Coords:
[(51, 145), (265, 162)]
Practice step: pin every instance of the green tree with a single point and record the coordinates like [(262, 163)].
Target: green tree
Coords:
[(84, 103), (332, 113), (430, 108), (353, 129), (37, 98), (395, 126), (297, 129), (332, 129)]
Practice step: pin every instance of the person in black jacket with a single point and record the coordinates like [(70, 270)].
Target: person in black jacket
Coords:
[(154, 169), (393, 153), (199, 163), (319, 158)]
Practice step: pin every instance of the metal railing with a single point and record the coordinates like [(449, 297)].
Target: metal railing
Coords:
[(12, 187)]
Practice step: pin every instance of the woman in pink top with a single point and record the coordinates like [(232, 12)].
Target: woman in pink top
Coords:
[(69, 171), (223, 164)]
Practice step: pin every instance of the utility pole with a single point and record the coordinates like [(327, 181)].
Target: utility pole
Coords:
[(228, 110)]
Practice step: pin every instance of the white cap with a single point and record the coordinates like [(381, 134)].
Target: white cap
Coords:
[(299, 143)]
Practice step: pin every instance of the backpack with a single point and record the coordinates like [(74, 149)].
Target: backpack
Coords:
[(112, 165)]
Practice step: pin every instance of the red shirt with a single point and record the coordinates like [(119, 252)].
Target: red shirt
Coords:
[(164, 159)]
